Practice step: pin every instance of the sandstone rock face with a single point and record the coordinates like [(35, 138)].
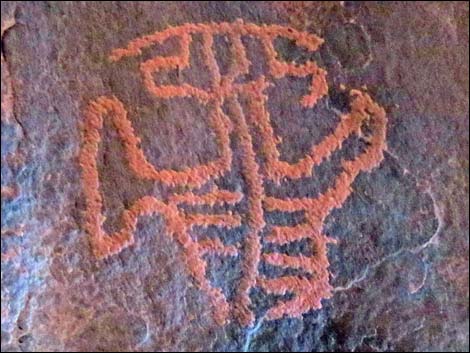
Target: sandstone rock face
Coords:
[(256, 176)]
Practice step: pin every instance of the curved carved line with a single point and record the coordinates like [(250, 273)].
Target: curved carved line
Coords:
[(103, 244)]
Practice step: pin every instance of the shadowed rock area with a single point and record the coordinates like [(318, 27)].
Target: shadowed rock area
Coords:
[(106, 249)]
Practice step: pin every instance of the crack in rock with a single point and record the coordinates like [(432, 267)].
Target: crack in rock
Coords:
[(433, 240), (250, 334)]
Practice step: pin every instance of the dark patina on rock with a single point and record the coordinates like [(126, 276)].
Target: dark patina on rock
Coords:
[(395, 275)]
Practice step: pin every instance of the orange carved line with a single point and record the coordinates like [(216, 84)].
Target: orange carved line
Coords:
[(104, 244), (211, 198), (234, 30), (283, 235), (215, 246), (241, 64), (297, 262), (312, 264), (137, 161), (288, 204), (278, 69), (309, 41), (211, 62), (151, 66), (308, 292), (336, 195), (277, 169), (310, 298), (255, 221), (205, 220), (283, 285)]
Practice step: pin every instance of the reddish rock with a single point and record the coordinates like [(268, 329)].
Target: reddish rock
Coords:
[(234, 176)]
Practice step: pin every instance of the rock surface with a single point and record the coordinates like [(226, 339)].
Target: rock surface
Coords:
[(398, 266)]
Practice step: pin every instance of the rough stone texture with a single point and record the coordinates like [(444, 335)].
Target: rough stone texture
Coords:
[(399, 269)]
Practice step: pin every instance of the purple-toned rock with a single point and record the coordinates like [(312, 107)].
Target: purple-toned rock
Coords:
[(228, 176)]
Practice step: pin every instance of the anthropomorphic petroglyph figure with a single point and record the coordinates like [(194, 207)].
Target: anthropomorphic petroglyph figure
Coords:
[(226, 90)]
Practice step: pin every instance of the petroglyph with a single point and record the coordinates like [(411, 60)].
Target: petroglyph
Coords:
[(307, 291)]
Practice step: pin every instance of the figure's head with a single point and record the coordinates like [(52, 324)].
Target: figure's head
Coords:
[(222, 83), (194, 68)]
